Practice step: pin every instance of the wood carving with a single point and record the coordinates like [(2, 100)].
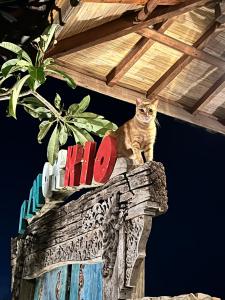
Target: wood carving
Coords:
[(110, 224)]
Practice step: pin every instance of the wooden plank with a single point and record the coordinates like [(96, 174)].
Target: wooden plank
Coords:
[(139, 49), (181, 63), (145, 12), (182, 47), (127, 95), (92, 288), (74, 283), (208, 97), (53, 284), (137, 2), (118, 28)]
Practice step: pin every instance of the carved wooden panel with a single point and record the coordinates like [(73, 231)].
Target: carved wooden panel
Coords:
[(110, 224)]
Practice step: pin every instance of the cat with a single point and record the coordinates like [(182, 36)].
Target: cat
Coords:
[(138, 135)]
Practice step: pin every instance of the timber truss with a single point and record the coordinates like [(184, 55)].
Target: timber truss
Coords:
[(151, 22)]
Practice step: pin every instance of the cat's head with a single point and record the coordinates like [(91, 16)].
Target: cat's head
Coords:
[(146, 110)]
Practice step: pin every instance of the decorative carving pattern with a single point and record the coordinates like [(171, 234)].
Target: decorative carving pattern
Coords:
[(111, 223), (134, 229)]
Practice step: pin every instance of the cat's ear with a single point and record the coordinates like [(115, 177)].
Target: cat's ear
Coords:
[(155, 101), (138, 101)]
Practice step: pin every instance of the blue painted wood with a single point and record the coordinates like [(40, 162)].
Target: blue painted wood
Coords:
[(38, 198), (74, 283), (22, 221), (29, 212), (92, 282), (52, 285)]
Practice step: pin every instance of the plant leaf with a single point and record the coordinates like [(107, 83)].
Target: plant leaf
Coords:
[(32, 100), (16, 49), (44, 128), (63, 135), (53, 146), (72, 109), (83, 104), (10, 64), (62, 74), (81, 136), (47, 36), (37, 74), (15, 95), (57, 101)]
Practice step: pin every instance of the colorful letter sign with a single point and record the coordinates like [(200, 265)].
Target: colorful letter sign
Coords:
[(76, 167)]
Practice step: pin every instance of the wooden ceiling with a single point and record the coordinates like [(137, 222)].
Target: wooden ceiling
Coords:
[(174, 49)]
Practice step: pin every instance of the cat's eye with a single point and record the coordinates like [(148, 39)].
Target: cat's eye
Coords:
[(142, 110), (150, 110)]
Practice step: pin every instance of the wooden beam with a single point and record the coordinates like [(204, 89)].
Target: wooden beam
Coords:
[(170, 2), (208, 97), (182, 47), (139, 49), (118, 28), (181, 63), (145, 12), (119, 92), (137, 2)]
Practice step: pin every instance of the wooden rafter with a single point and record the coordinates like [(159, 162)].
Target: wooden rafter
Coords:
[(118, 28), (181, 63), (182, 47), (125, 94), (137, 2), (139, 49), (214, 90), (145, 12)]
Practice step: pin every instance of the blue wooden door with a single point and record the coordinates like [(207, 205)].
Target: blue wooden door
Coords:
[(73, 282), (52, 285), (86, 282)]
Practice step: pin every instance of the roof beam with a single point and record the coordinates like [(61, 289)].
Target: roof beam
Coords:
[(139, 49), (122, 93), (118, 28), (214, 90), (182, 47), (137, 2), (145, 12), (181, 63)]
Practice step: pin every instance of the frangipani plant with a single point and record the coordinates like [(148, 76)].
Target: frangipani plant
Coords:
[(28, 77)]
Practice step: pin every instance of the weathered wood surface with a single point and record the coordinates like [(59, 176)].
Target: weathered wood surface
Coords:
[(110, 224), (198, 296)]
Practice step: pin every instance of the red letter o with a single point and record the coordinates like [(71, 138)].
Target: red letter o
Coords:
[(105, 159)]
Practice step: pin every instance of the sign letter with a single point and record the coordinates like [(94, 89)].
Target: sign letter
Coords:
[(105, 159)]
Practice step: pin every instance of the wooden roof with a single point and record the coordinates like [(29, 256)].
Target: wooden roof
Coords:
[(132, 48)]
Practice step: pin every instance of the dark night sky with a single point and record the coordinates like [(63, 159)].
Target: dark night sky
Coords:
[(186, 249)]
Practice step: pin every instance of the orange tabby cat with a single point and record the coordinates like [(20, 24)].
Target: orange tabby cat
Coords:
[(138, 134)]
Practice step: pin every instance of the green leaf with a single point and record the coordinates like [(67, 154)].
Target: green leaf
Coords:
[(47, 36), (32, 100), (53, 146), (48, 61), (81, 136), (62, 74), (10, 64), (63, 135), (37, 74), (44, 128), (72, 109), (88, 115), (15, 95), (37, 112), (16, 49), (57, 101), (83, 104)]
